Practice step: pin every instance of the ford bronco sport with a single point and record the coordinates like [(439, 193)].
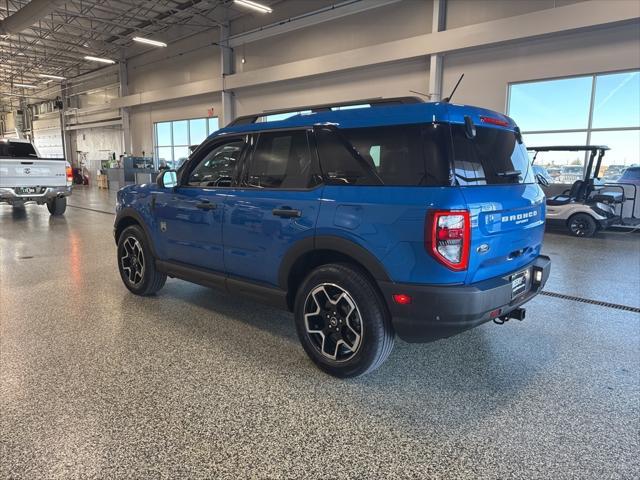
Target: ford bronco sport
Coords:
[(401, 217)]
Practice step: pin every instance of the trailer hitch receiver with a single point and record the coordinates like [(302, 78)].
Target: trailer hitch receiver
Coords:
[(517, 313)]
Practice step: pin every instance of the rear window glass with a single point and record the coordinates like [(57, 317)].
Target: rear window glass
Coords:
[(492, 157), (631, 174), (17, 150), (407, 155)]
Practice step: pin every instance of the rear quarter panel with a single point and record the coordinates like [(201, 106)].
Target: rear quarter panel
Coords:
[(389, 222)]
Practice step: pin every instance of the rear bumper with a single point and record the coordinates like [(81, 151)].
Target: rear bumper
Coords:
[(9, 195), (441, 311)]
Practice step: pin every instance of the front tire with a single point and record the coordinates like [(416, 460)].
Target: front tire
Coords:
[(342, 321), (57, 206), (582, 225), (136, 263)]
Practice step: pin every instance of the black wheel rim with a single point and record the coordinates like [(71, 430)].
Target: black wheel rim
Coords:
[(579, 227), (132, 260), (333, 322)]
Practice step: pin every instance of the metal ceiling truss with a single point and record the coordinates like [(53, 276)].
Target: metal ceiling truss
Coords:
[(58, 42)]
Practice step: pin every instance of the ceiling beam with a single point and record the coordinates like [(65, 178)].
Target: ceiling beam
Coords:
[(28, 15)]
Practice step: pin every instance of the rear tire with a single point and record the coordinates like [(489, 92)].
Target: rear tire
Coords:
[(57, 206), (136, 263), (342, 321), (582, 225)]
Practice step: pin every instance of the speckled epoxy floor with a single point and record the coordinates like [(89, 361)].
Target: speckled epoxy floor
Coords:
[(97, 383)]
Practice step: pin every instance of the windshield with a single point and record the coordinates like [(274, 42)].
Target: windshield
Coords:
[(492, 157)]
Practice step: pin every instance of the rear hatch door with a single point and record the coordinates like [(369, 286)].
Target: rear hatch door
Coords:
[(507, 208)]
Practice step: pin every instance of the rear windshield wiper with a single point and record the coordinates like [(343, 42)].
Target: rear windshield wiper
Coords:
[(510, 173)]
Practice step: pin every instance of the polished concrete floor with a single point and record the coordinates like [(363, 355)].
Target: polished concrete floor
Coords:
[(97, 383)]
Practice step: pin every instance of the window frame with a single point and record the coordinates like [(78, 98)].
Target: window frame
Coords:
[(248, 159), (201, 153)]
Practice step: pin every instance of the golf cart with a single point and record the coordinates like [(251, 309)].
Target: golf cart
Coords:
[(590, 204)]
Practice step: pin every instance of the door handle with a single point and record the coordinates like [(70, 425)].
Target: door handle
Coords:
[(286, 212), (206, 205)]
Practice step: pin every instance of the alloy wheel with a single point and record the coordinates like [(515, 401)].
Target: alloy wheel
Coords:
[(333, 322), (132, 260)]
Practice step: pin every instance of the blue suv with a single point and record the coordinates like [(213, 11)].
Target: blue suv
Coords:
[(401, 217)]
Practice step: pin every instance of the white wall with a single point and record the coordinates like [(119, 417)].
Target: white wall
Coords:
[(184, 61), (384, 24), (98, 143), (488, 72), (392, 80), (468, 12)]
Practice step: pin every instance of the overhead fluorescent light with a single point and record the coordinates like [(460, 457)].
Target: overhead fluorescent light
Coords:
[(24, 85), (253, 5), (98, 59), (55, 77), (148, 41)]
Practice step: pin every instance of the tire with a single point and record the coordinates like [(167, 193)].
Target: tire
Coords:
[(140, 275), (582, 225), (359, 319), (57, 206)]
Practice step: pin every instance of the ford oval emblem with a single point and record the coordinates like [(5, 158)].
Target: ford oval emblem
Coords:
[(484, 248)]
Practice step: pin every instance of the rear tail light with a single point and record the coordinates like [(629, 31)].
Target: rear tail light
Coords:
[(494, 121), (448, 237), (69, 174)]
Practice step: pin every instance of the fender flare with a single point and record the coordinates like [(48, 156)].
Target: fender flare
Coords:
[(337, 244), (128, 212)]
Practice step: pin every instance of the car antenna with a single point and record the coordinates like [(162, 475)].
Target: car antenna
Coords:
[(448, 99)]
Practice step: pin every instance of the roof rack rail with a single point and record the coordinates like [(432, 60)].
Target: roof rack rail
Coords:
[(374, 102), (569, 148)]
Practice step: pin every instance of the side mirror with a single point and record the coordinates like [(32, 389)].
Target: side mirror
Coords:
[(542, 180), (167, 179)]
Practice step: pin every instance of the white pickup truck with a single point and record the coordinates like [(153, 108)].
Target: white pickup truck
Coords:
[(26, 177)]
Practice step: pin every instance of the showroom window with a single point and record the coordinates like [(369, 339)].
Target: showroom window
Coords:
[(592, 109), (173, 139)]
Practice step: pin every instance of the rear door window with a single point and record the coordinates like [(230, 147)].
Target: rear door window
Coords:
[(282, 160), (492, 157), (403, 155)]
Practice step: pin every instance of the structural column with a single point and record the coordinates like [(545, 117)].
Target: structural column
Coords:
[(226, 65), (123, 78), (435, 60), (66, 137)]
